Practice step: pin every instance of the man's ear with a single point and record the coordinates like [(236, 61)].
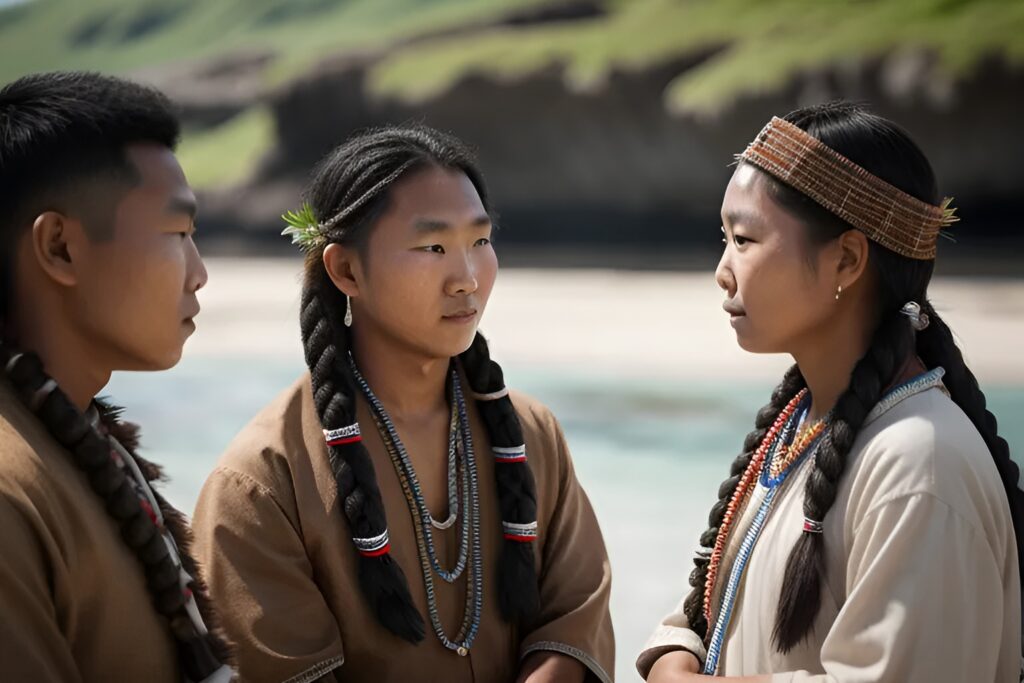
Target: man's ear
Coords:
[(344, 268), (56, 242)]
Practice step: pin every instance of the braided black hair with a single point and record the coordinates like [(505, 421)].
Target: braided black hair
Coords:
[(349, 191), (200, 654), (57, 131), (887, 151)]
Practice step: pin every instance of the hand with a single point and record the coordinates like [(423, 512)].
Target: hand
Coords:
[(550, 667), (678, 666)]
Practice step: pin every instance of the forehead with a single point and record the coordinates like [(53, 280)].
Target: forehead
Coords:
[(744, 188), (436, 193), (159, 174)]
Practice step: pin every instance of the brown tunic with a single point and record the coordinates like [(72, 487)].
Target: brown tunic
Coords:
[(282, 569), (73, 598)]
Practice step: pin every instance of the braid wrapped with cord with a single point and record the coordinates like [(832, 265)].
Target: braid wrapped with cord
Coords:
[(348, 193), (201, 652), (518, 594), (800, 596), (325, 342)]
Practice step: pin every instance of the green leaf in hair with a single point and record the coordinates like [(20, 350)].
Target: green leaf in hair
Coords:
[(303, 228)]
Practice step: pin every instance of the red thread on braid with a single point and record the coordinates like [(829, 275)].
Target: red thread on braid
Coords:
[(346, 440), (376, 553), (149, 511), (520, 539)]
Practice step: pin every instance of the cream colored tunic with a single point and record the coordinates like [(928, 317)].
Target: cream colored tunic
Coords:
[(921, 581), (282, 569), (73, 598)]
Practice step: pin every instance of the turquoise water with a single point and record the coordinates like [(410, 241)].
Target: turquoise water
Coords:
[(651, 455)]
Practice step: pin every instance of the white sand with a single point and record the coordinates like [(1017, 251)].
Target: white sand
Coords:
[(631, 323)]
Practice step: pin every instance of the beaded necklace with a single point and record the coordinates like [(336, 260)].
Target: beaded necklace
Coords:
[(453, 472), (742, 493), (788, 446), (470, 553), (775, 459)]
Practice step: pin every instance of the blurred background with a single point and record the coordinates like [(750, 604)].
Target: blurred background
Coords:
[(605, 130)]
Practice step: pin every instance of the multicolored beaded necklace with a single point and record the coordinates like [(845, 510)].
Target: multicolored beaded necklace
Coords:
[(468, 514), (769, 467), (780, 453)]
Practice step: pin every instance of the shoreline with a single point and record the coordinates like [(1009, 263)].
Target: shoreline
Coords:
[(646, 324)]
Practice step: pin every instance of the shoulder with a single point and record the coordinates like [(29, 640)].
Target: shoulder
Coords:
[(535, 417), (39, 485), (29, 472), (546, 448), (925, 444), (257, 452)]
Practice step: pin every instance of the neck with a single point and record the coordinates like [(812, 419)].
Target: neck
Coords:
[(827, 361), (411, 386), (64, 355)]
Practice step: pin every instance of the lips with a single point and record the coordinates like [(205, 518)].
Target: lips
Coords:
[(733, 309), (192, 313), (461, 315)]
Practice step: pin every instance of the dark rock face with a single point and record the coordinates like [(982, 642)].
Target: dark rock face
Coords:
[(615, 166)]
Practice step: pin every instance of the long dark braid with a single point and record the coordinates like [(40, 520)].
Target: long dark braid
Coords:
[(326, 346), (200, 654), (937, 347), (518, 594), (800, 596), (693, 606), (349, 192)]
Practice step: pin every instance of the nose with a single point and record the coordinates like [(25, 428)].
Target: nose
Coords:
[(462, 280), (724, 275), (195, 274)]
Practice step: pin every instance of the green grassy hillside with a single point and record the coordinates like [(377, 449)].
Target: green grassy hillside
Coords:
[(759, 45), (764, 43), (120, 35)]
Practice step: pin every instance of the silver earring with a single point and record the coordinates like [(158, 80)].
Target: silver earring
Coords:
[(348, 312), (839, 290)]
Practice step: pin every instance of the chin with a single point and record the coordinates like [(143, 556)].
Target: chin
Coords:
[(455, 345), (754, 345), (163, 361), (749, 342)]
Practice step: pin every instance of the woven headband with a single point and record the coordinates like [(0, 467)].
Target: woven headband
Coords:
[(886, 214)]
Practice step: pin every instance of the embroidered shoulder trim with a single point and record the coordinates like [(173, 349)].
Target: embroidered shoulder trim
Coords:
[(917, 385)]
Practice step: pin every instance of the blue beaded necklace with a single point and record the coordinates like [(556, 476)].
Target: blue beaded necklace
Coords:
[(470, 552), (772, 486)]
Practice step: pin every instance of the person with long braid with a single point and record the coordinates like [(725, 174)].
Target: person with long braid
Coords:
[(398, 514), (870, 530), (98, 272)]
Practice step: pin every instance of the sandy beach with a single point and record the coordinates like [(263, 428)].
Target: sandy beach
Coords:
[(636, 324)]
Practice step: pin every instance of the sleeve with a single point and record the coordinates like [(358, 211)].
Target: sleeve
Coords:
[(575, 579), (673, 633), (32, 644), (924, 600), (261, 580)]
